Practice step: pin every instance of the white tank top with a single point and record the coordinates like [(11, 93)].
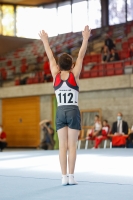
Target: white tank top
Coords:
[(97, 126), (66, 91)]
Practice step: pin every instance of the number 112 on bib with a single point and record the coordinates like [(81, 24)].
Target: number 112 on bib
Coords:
[(67, 97)]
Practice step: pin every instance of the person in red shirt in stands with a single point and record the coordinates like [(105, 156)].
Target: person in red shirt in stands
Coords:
[(103, 136), (2, 139), (47, 72)]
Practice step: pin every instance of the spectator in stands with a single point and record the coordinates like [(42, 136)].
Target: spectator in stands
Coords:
[(104, 134), (47, 72), (105, 54), (131, 51), (23, 81), (48, 137), (113, 55), (120, 128), (109, 42), (106, 125), (96, 130), (3, 143)]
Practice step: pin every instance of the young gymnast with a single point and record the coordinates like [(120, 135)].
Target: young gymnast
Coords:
[(66, 81)]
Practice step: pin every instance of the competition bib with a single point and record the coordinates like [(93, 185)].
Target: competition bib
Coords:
[(65, 97)]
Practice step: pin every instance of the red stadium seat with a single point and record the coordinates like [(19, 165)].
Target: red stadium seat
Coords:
[(9, 63), (119, 68), (118, 64), (125, 45), (36, 80), (30, 81), (58, 48), (127, 63), (17, 82), (41, 74), (101, 71), (99, 58), (96, 67), (94, 58), (94, 71), (87, 59), (119, 71), (131, 62), (85, 75), (24, 61), (2, 59), (101, 66), (118, 40), (130, 40), (4, 74), (69, 43), (123, 55), (94, 74), (41, 80), (40, 59), (110, 69), (23, 68)]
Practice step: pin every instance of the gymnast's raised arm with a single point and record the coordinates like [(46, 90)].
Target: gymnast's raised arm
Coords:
[(78, 66), (53, 65)]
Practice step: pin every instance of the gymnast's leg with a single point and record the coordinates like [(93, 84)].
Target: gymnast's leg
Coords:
[(63, 146), (72, 146)]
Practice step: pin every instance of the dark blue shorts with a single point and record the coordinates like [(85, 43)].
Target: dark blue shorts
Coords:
[(68, 115)]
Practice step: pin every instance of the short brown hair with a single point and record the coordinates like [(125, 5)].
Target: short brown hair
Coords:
[(105, 120), (120, 114), (65, 62)]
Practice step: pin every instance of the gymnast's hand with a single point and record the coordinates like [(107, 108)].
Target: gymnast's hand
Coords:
[(43, 35), (86, 33)]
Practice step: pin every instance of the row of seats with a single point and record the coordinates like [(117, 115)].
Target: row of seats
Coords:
[(17, 62), (36, 48), (107, 69), (38, 77), (70, 39), (97, 57), (124, 29), (30, 80), (9, 73), (99, 70), (33, 53)]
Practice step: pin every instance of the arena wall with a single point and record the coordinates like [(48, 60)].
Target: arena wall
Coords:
[(110, 102), (111, 94), (45, 108)]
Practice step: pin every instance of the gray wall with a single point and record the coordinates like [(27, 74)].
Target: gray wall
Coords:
[(111, 102), (45, 108), (92, 84), (111, 94)]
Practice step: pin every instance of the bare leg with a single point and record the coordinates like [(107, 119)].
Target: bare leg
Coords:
[(72, 146), (96, 133), (63, 146)]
